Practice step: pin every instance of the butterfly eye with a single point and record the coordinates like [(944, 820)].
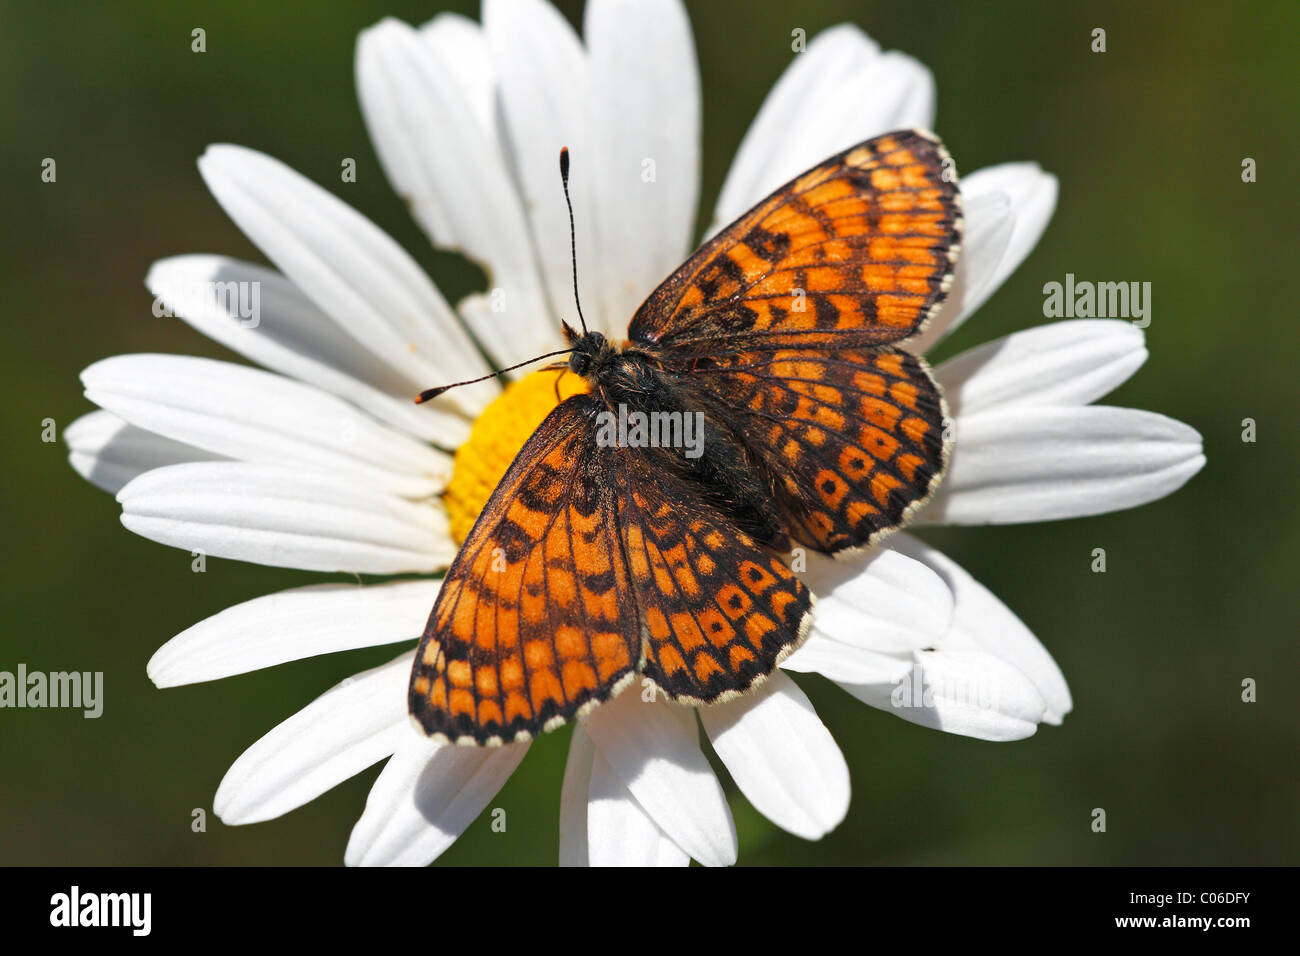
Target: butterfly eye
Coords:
[(579, 363)]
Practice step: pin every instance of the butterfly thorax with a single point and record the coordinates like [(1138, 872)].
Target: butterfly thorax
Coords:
[(634, 380)]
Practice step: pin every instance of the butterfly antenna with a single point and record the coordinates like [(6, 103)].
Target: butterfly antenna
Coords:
[(429, 393), (573, 242)]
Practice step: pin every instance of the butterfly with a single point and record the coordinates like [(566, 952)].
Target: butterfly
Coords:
[(598, 562)]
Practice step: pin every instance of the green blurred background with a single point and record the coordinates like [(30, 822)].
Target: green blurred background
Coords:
[(1147, 140)]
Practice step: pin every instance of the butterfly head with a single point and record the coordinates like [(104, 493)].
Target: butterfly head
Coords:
[(591, 353)]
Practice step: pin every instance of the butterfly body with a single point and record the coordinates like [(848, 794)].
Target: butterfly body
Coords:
[(599, 561), (638, 380)]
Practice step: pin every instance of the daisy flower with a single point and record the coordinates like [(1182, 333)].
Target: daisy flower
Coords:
[(318, 460)]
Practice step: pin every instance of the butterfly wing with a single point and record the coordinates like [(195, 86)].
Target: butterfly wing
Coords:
[(535, 620), (852, 440), (783, 326), (719, 612), (858, 251), (588, 564)]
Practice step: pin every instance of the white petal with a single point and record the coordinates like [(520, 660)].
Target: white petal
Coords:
[(846, 663), (840, 91), (597, 810), (949, 679), (281, 517), (880, 600), (961, 691), (251, 415), (349, 267), (654, 749), (830, 59), (1061, 363), (782, 757), (994, 628), (573, 799), (619, 831), (646, 92), (295, 338), (288, 626), (339, 734), (544, 91), (1032, 194), (423, 108), (460, 48), (482, 311), (1037, 464), (108, 452), (425, 798)]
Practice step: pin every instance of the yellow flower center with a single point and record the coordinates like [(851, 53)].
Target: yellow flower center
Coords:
[(496, 438)]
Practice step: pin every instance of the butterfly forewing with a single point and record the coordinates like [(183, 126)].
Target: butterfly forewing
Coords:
[(857, 251)]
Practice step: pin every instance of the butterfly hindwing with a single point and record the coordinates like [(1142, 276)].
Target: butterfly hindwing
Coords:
[(852, 440), (858, 251), (719, 612), (535, 620)]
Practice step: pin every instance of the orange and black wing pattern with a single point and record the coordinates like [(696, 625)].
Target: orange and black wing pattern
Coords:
[(565, 590), (590, 564), (858, 251), (535, 620), (852, 440), (719, 612)]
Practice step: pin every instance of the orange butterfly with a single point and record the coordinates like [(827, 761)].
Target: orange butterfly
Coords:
[(594, 562)]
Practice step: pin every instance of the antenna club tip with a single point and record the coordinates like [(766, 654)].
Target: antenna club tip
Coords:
[(564, 162)]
